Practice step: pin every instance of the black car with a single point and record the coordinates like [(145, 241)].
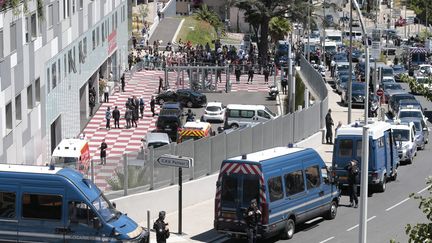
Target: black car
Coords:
[(358, 94), (186, 97), (169, 121), (393, 104)]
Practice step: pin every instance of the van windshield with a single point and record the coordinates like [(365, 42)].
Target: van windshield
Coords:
[(64, 161), (105, 209), (248, 185), (401, 135), (270, 112)]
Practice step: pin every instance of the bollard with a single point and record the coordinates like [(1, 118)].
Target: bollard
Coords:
[(92, 171), (323, 131), (148, 223), (126, 176)]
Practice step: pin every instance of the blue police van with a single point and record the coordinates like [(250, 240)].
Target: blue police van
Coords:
[(47, 204), (291, 186), (383, 154)]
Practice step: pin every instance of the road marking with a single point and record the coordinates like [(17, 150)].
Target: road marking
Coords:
[(397, 204), (355, 226), (424, 189), (330, 238)]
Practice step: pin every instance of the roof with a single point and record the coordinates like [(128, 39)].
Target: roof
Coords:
[(245, 107), (376, 129), (197, 125), (218, 104), (401, 126), (152, 137), (171, 105), (28, 169), (69, 148), (268, 154)]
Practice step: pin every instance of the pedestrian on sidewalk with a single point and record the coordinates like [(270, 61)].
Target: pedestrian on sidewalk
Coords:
[(92, 103), (161, 228), (106, 94), (266, 73), (141, 107), (329, 124), (253, 216), (122, 81), (152, 106), (250, 74), (332, 67), (128, 117), (353, 172), (160, 84), (103, 147), (284, 84), (108, 118), (237, 73), (116, 117)]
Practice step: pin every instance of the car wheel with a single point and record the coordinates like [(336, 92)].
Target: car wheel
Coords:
[(288, 231), (394, 176), (331, 214), (382, 185), (234, 126), (189, 104), (161, 101)]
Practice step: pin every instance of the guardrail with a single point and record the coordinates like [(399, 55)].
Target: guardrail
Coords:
[(140, 171)]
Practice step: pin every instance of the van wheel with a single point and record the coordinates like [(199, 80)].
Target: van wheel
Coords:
[(331, 213), (382, 185), (234, 126), (289, 230), (394, 176)]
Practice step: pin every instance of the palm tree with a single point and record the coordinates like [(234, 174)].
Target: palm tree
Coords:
[(278, 28), (209, 16)]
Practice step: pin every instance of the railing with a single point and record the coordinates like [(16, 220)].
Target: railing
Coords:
[(140, 171)]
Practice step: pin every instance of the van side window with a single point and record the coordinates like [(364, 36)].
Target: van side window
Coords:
[(7, 205), (345, 148), (38, 206), (247, 114), (264, 114), (359, 148), (233, 113), (312, 177), (80, 213), (229, 188), (294, 183), (275, 188)]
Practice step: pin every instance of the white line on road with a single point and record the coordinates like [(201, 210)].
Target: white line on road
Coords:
[(330, 238), (397, 204), (424, 189), (355, 226)]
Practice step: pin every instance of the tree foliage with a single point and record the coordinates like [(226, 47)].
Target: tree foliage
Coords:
[(279, 27), (422, 8), (422, 232), (209, 16)]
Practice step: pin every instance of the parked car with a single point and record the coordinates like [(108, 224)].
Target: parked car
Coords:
[(390, 89), (175, 106), (388, 80), (410, 103), (237, 115), (404, 136), (358, 94), (342, 82), (186, 97), (155, 140), (393, 103), (398, 71), (411, 112), (421, 131), (214, 111)]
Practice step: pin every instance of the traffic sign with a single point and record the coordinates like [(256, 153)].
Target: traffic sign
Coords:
[(380, 92), (175, 161), (375, 49)]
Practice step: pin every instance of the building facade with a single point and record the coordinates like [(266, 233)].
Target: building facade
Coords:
[(51, 53)]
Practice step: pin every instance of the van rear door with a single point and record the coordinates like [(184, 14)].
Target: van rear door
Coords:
[(42, 214), (8, 213)]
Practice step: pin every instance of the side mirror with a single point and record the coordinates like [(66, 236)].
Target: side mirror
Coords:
[(97, 223)]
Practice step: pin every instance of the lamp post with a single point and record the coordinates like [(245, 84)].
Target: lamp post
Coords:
[(350, 65), (365, 152)]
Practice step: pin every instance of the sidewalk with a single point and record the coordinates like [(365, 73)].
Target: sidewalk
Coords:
[(166, 30)]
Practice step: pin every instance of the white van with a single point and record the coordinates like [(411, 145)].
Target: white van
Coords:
[(237, 115)]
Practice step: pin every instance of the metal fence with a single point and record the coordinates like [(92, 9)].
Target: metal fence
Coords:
[(141, 170)]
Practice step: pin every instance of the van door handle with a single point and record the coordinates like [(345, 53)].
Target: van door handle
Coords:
[(321, 193)]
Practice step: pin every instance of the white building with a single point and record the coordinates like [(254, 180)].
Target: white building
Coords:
[(51, 51)]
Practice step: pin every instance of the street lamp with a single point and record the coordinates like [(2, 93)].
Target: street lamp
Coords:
[(365, 152)]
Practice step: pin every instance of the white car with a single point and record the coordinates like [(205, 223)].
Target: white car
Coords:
[(214, 111), (425, 69), (404, 136), (388, 80), (411, 112)]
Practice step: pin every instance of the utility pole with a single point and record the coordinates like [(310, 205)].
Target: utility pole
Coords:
[(309, 30), (350, 65), (324, 35)]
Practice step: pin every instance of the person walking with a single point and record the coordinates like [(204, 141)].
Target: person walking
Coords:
[(266, 73), (128, 117), (161, 228), (152, 106), (250, 74), (116, 117), (141, 107), (329, 124), (92, 103), (160, 84), (122, 81), (106, 94), (284, 84), (353, 172), (108, 118), (237, 73), (332, 67), (103, 147), (253, 216)]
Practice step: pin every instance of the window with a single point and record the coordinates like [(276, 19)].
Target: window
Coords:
[(37, 90), (264, 114), (294, 183), (1, 44), (65, 9), (94, 39), (50, 15), (312, 177), (359, 148), (97, 36), (9, 116), (85, 47), (80, 4), (59, 70), (33, 25), (40, 206), (71, 58), (65, 65), (116, 20), (73, 7), (26, 30), (13, 37), (113, 22), (275, 188), (7, 205), (247, 114), (229, 188), (48, 80), (251, 188), (103, 32), (345, 148), (325, 175), (54, 75), (80, 213), (29, 97), (18, 115)]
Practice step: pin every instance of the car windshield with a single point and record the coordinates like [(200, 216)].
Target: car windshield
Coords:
[(269, 111), (357, 87), (392, 86), (417, 114), (387, 72), (213, 108), (401, 135), (398, 68), (105, 209), (156, 144), (417, 125)]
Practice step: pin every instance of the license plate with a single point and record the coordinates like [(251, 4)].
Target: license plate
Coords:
[(229, 215), (343, 177)]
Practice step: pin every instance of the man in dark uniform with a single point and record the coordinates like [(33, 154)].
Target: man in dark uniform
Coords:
[(253, 216), (329, 124), (116, 117), (103, 147), (161, 229), (353, 172), (152, 106), (237, 73)]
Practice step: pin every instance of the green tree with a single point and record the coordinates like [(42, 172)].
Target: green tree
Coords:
[(209, 16), (278, 28), (423, 9), (422, 232)]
